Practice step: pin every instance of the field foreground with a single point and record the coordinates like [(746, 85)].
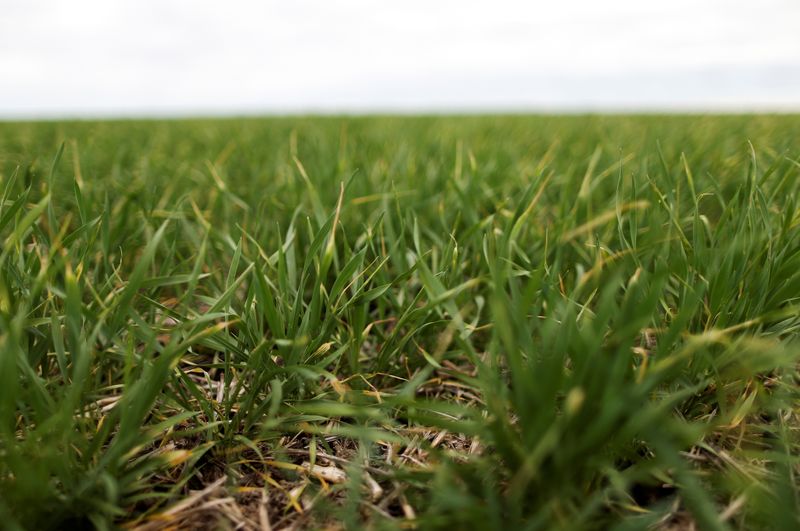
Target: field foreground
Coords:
[(475, 322)]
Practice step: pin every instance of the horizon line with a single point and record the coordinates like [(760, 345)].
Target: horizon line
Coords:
[(398, 111)]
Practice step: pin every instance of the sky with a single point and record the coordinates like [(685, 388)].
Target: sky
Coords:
[(174, 57)]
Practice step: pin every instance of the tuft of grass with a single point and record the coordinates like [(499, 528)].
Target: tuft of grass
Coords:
[(578, 322)]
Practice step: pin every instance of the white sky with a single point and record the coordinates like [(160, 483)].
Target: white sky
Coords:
[(106, 57)]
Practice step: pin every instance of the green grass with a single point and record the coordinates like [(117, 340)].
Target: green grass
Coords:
[(542, 322)]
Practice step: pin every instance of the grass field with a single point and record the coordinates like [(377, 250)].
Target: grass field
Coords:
[(438, 322)]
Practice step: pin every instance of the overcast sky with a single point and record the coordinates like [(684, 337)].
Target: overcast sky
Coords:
[(106, 57)]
